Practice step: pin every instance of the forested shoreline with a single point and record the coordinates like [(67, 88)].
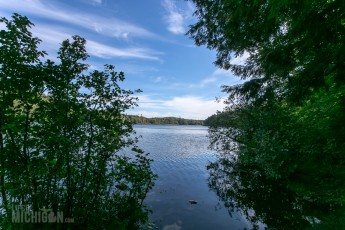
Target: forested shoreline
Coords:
[(135, 119)]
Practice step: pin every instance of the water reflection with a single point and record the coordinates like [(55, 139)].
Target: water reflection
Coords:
[(260, 199), (241, 197), (180, 155)]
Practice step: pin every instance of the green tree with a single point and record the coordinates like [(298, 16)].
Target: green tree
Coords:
[(287, 119), (290, 45), (61, 136), (162, 120)]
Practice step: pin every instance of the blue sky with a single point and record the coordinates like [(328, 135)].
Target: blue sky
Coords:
[(145, 39)]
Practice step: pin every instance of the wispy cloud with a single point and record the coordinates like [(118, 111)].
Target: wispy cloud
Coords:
[(226, 77), (105, 51), (205, 82), (218, 78), (104, 25), (98, 2), (52, 38), (157, 79), (223, 72), (52, 35), (174, 17), (148, 102)]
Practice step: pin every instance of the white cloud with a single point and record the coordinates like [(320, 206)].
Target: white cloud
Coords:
[(192, 107), (150, 114), (105, 51), (226, 77), (218, 78), (223, 72), (157, 79), (174, 18), (147, 102), (104, 25), (205, 82), (240, 60), (53, 37), (98, 2)]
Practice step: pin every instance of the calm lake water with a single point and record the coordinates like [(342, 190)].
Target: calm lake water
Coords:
[(180, 155)]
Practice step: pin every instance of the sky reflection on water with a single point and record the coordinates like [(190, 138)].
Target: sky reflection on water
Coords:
[(180, 155)]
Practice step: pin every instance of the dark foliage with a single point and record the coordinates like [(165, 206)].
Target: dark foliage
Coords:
[(287, 121), (61, 136)]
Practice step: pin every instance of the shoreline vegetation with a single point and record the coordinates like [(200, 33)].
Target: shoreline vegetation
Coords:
[(61, 136), (280, 138), (135, 119)]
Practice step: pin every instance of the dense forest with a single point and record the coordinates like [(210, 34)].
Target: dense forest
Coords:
[(281, 138), (162, 120)]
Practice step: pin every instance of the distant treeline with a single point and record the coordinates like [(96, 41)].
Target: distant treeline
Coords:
[(163, 120), (220, 119)]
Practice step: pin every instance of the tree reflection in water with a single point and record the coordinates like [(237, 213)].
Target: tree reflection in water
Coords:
[(261, 200)]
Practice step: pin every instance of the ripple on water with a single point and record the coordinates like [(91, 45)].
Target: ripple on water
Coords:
[(180, 155)]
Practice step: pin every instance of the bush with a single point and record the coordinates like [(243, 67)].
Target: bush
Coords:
[(61, 134)]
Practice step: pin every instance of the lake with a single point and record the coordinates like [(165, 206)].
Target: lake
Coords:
[(180, 155)]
